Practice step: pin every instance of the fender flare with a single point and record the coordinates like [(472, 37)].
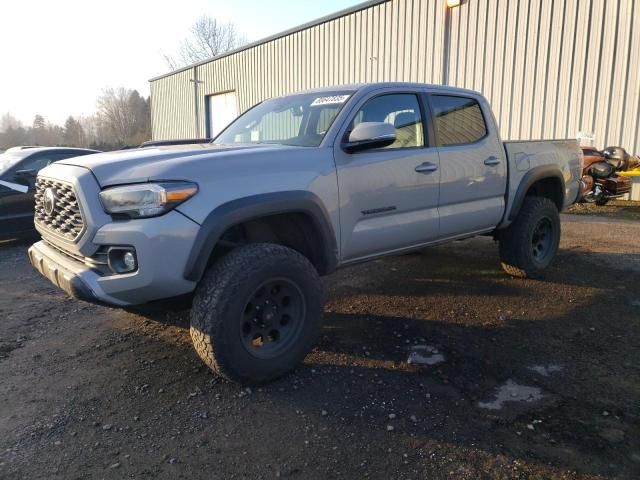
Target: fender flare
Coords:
[(251, 208), (532, 176)]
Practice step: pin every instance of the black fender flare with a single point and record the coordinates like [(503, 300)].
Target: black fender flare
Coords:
[(253, 207), (532, 176)]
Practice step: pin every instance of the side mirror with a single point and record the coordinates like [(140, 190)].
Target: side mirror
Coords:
[(367, 135), (26, 174)]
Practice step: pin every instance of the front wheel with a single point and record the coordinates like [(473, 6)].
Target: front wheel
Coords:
[(256, 313), (530, 243)]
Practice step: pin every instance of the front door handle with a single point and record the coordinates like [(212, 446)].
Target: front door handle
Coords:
[(492, 161), (426, 167)]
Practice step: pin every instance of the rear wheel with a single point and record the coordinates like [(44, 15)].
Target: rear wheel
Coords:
[(530, 243), (256, 313)]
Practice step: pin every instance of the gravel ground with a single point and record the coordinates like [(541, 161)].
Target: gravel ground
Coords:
[(619, 209), (431, 365)]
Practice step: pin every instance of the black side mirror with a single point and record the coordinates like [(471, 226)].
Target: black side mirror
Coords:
[(368, 135)]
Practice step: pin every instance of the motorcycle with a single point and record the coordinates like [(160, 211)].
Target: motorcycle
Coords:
[(600, 181)]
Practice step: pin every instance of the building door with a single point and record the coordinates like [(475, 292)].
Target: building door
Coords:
[(222, 110)]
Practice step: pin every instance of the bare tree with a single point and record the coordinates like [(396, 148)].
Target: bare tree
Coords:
[(114, 113), (74, 133), (208, 38), (89, 125), (8, 121), (123, 117)]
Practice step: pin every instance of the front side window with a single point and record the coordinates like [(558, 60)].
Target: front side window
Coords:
[(300, 120), (400, 110), (458, 120)]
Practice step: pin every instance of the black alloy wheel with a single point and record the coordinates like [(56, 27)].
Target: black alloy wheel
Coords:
[(272, 318)]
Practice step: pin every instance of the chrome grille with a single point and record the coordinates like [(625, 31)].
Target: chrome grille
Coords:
[(65, 219)]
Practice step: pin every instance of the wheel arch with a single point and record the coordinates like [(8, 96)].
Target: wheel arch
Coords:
[(305, 206), (544, 181)]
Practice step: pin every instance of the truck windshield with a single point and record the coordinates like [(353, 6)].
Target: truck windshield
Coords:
[(300, 120)]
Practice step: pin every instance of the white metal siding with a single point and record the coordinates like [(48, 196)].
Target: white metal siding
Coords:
[(549, 68)]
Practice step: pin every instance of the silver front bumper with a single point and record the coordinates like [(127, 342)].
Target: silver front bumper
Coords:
[(162, 245)]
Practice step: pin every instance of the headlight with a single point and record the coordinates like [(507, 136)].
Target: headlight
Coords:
[(146, 199)]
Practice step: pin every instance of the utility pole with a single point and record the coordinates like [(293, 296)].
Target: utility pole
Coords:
[(446, 50), (447, 45), (195, 98)]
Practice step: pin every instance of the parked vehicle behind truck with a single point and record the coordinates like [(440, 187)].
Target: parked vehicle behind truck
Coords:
[(600, 176), (294, 188), (18, 169)]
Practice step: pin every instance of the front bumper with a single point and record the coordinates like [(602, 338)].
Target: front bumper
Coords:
[(43, 258), (162, 245)]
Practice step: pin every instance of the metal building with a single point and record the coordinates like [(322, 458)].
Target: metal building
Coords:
[(550, 68)]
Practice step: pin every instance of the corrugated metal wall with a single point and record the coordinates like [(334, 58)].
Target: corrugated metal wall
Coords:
[(173, 107), (550, 68)]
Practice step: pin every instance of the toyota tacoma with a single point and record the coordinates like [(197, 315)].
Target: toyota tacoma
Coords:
[(291, 190)]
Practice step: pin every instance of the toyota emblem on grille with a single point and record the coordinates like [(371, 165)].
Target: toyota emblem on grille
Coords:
[(49, 200)]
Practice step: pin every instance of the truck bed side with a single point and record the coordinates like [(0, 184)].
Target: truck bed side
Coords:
[(531, 162)]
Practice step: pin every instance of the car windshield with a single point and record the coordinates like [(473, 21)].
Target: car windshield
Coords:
[(10, 159), (300, 120)]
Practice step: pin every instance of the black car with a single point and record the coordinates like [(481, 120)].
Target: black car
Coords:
[(19, 167)]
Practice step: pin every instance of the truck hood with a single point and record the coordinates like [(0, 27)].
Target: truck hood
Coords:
[(164, 163)]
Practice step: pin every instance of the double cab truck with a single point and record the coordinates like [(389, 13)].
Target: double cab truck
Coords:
[(291, 190)]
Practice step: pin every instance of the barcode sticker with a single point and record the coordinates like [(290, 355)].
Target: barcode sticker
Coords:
[(329, 100)]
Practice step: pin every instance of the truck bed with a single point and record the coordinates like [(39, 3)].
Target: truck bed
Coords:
[(527, 155)]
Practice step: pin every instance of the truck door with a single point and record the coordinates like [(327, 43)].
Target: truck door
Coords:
[(473, 170), (388, 196)]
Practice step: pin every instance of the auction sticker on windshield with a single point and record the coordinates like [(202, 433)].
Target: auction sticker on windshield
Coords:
[(329, 100)]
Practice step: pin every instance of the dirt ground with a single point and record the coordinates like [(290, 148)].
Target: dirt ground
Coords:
[(431, 365), (621, 209)]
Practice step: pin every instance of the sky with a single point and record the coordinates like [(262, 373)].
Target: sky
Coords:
[(56, 56)]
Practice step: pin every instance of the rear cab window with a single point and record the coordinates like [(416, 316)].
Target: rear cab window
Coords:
[(458, 120)]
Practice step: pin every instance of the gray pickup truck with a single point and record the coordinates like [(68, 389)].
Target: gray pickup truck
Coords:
[(294, 188)]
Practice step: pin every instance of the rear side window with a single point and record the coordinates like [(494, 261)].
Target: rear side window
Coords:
[(458, 120)]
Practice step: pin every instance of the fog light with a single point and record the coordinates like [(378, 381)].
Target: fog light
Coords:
[(122, 259), (129, 261)]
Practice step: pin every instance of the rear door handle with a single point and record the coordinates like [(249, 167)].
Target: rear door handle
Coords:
[(492, 161), (426, 167)]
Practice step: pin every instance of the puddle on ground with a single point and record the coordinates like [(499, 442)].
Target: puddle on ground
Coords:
[(546, 371), (424, 355), (512, 392)]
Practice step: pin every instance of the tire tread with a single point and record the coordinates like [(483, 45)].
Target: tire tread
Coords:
[(514, 244), (215, 291)]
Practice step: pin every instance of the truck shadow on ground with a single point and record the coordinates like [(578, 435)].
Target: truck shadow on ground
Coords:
[(569, 343)]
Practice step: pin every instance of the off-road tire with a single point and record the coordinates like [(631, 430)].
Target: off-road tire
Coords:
[(516, 252), (601, 202), (222, 296)]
